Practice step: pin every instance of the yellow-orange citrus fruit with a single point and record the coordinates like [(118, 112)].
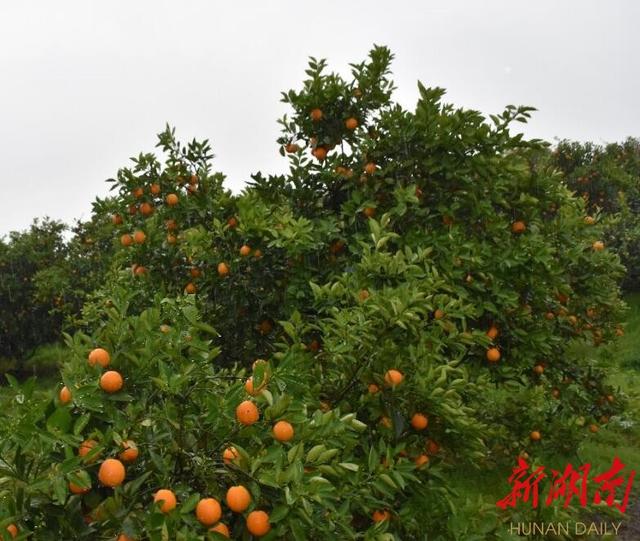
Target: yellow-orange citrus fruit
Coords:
[(257, 253), (111, 381), (171, 239), (419, 421), (370, 168), (380, 515), (247, 413), (393, 377), (232, 222), (291, 148), (111, 473), (168, 498), (229, 455), (316, 114), (493, 332), (438, 314), (245, 250), (130, 453), (146, 209), (320, 153), (589, 220), (373, 388), (116, 219), (351, 123), (190, 288), (432, 447), (238, 498), (139, 237), (598, 246), (13, 530), (518, 227), (421, 460), (221, 528), (65, 395), (258, 523), (125, 537), (538, 369), (369, 212), (171, 199), (593, 428), (154, 189), (283, 431), (77, 489), (86, 447), (535, 436), (99, 356), (137, 192), (223, 269), (363, 295), (493, 355), (208, 511), (126, 240)]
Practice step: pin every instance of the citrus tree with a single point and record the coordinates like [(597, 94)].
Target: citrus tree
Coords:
[(312, 358)]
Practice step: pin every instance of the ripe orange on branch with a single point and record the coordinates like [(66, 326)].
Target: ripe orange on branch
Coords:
[(111, 473), (238, 498), (208, 511), (258, 523), (247, 413), (393, 377), (111, 381), (99, 356), (283, 431), (168, 499)]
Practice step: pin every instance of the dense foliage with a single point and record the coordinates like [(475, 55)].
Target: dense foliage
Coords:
[(410, 263)]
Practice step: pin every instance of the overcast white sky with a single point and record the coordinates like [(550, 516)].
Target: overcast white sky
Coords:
[(84, 85)]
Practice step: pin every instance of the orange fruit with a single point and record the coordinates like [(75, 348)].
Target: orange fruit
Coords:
[(116, 219), (370, 168), (419, 421), (232, 222), (139, 237), (438, 314), (589, 220), (85, 448), (257, 254), (190, 288), (154, 188), (593, 428), (125, 537), (291, 148), (137, 192), (447, 220), (549, 315), (13, 530), (193, 180), (316, 114), (283, 431), (265, 327), (493, 332), (208, 511), (126, 240), (221, 529), (369, 212), (535, 436), (130, 453), (65, 395), (598, 246), (555, 393), (258, 523), (230, 454), (373, 388), (245, 250), (168, 499), (111, 381), (77, 489), (223, 269), (432, 447), (320, 153), (421, 460), (493, 355), (139, 270), (99, 356), (518, 227), (238, 498), (171, 225), (133, 209), (146, 209), (171, 239), (351, 123), (538, 369), (111, 473), (380, 515), (248, 386), (386, 422), (171, 199), (247, 413), (363, 295), (393, 377)]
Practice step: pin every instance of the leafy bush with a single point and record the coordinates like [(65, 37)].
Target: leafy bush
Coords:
[(408, 263), (608, 178)]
